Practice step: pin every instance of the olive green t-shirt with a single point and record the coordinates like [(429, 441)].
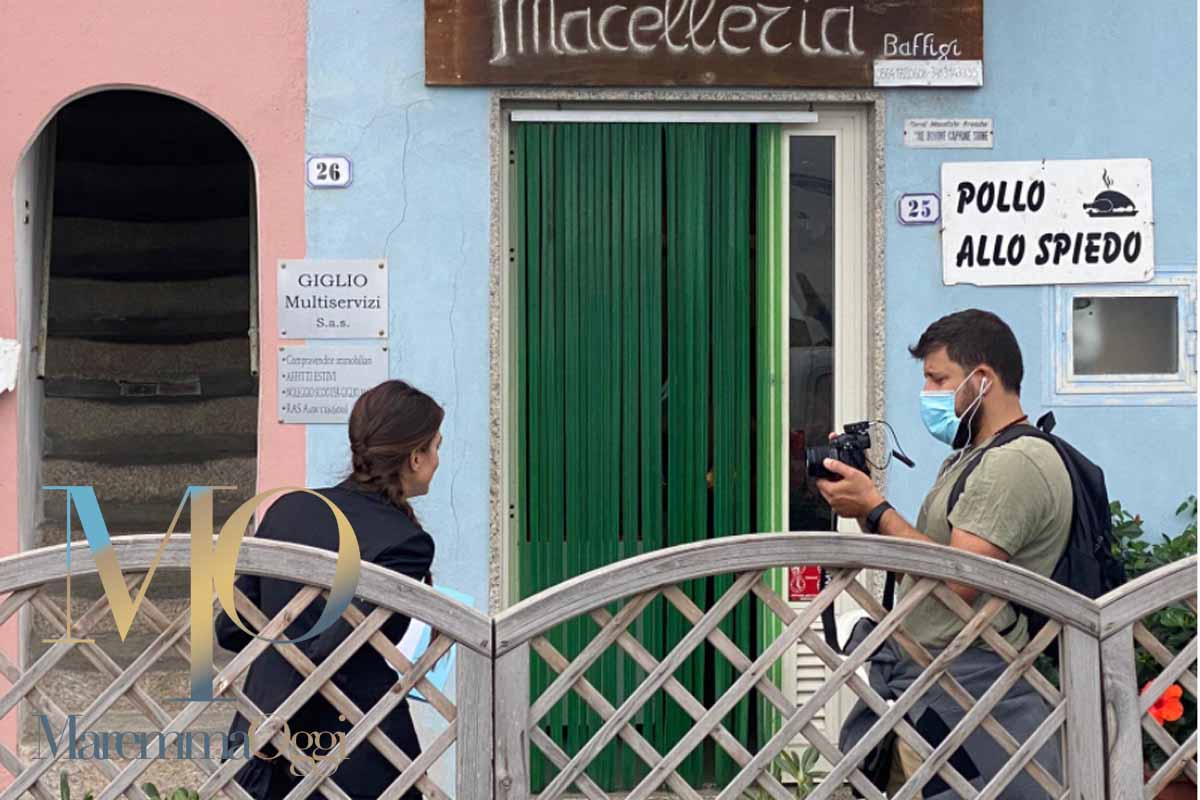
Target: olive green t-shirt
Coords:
[(1019, 499)]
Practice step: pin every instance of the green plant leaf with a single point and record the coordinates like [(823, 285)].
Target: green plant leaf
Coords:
[(64, 786), (810, 759), (151, 791)]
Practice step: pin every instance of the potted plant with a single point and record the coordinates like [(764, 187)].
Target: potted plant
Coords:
[(1174, 626), (800, 768)]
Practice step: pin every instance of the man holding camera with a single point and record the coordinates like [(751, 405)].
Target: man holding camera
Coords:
[(1015, 506)]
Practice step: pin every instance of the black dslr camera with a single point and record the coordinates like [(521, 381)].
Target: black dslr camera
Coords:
[(850, 448)]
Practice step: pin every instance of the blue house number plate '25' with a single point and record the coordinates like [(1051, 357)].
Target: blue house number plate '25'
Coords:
[(920, 209)]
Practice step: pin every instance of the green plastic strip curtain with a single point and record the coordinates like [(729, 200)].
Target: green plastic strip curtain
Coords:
[(635, 289)]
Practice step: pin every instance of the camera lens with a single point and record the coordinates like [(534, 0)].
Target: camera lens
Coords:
[(814, 460)]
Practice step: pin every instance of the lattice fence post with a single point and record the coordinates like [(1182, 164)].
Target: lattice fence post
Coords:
[(1122, 730), (1081, 686), (511, 723), (473, 680)]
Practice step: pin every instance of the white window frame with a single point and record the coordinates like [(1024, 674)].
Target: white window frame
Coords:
[(1065, 387)]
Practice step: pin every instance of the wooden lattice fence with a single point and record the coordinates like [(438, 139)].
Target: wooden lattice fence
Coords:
[(1095, 713), (467, 720), (1073, 710), (1127, 704)]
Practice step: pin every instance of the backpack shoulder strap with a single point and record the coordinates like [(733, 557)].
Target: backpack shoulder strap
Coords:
[(1004, 437), (1045, 424)]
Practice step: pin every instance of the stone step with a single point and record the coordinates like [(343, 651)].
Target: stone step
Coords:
[(216, 308), (160, 448), (140, 483), (85, 590), (84, 775), (82, 236), (192, 327), (74, 419), (180, 265), (120, 250), (84, 358), (122, 652), (128, 518), (151, 192), (80, 297), (205, 385)]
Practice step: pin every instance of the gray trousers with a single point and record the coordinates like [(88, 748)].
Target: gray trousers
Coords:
[(980, 756)]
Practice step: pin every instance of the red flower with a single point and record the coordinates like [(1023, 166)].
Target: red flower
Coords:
[(1167, 708)]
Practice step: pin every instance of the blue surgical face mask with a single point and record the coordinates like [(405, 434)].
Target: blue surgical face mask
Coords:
[(937, 412)]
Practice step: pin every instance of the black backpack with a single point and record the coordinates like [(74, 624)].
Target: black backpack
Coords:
[(1087, 564)]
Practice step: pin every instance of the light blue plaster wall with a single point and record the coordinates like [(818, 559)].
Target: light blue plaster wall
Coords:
[(1062, 79), (420, 198)]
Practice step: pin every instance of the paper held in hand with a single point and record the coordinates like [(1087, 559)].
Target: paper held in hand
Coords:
[(416, 641)]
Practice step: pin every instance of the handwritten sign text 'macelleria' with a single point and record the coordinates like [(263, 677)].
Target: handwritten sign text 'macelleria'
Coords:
[(679, 27)]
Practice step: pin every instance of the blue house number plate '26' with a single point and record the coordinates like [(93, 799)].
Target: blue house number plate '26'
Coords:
[(920, 209)]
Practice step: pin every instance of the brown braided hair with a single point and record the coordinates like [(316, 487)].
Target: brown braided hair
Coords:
[(389, 423)]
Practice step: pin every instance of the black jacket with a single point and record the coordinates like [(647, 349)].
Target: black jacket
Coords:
[(387, 537)]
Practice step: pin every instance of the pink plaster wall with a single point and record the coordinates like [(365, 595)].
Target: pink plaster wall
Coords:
[(244, 62)]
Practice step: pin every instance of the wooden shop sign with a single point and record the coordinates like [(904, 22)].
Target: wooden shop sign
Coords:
[(801, 43)]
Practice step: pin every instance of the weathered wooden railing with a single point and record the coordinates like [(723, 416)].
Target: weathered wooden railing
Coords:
[(635, 582), (494, 722), (26, 577)]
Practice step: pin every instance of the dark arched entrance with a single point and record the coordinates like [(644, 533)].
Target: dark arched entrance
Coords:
[(146, 348)]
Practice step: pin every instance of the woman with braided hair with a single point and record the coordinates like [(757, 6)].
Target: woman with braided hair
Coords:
[(394, 439)]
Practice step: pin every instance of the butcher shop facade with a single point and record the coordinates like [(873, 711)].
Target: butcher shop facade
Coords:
[(644, 254)]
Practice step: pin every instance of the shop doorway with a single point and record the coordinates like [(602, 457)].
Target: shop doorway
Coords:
[(682, 327)]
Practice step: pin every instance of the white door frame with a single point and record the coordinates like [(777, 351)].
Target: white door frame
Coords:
[(851, 294), (856, 260), (848, 126)]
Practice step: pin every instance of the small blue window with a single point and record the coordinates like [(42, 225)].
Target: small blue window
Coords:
[(1121, 344)]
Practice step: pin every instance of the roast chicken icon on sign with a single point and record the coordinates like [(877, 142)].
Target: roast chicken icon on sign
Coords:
[(1109, 203)]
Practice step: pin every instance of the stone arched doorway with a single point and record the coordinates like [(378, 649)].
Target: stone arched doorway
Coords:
[(141, 313)]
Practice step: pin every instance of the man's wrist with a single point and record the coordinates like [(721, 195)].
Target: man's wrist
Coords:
[(874, 517)]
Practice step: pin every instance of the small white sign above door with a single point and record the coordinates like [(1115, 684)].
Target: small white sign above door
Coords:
[(333, 299), (320, 383), (1047, 222), (950, 133), (932, 72)]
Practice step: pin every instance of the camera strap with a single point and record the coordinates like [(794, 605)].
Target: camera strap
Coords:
[(829, 619)]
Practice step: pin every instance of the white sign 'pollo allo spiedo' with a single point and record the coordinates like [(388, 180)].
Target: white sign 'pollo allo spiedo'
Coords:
[(1047, 222)]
